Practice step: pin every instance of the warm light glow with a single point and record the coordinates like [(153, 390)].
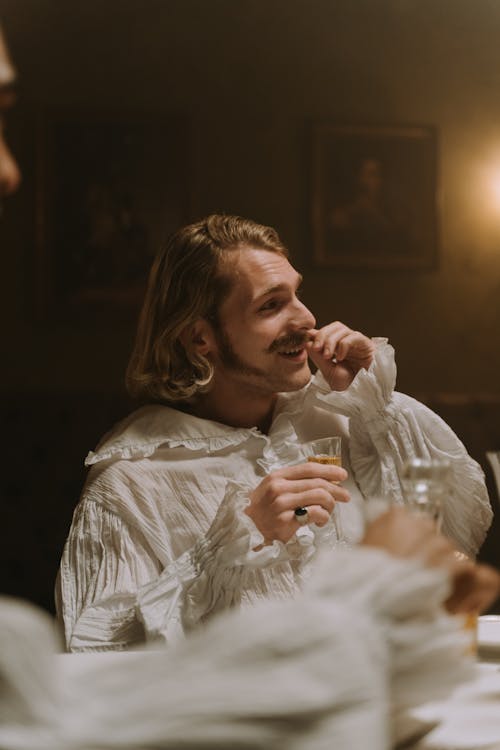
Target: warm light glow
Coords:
[(475, 176), (482, 191), (493, 187)]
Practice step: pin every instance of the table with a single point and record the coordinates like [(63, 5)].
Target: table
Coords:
[(469, 719)]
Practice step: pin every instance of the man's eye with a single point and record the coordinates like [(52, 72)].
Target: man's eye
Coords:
[(271, 304)]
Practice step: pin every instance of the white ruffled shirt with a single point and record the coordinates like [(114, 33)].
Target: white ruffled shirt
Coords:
[(160, 541)]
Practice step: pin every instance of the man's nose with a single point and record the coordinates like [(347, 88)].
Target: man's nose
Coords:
[(303, 317), (10, 175)]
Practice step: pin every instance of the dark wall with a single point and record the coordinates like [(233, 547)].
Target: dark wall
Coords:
[(250, 77)]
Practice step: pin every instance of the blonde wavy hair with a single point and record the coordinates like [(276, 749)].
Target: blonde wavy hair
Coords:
[(190, 278)]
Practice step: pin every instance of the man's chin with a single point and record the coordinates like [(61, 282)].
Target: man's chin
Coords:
[(297, 382)]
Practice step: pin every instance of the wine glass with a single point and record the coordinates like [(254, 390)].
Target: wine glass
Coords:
[(327, 451)]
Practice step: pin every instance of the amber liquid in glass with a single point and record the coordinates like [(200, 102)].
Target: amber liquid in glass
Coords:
[(321, 459), (470, 623)]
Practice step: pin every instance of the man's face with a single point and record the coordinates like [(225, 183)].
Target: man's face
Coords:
[(10, 176), (263, 326)]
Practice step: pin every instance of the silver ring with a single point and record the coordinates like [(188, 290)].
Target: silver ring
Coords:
[(301, 516)]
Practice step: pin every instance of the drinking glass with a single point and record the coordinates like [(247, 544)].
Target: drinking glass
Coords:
[(425, 484), (327, 451)]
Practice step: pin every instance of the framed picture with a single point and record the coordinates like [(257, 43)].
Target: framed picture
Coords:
[(374, 197), (110, 188)]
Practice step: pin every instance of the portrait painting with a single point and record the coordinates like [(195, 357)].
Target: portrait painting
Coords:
[(110, 190), (374, 197)]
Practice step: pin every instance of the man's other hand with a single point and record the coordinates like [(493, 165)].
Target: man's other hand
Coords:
[(339, 353)]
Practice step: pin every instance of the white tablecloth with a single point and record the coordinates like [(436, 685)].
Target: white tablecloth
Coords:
[(469, 719)]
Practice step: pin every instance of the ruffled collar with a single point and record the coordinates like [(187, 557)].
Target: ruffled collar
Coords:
[(141, 433)]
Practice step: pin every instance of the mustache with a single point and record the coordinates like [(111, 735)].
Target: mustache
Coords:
[(290, 341)]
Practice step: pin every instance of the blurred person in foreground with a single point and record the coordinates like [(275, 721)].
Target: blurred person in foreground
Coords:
[(369, 638), (341, 665), (190, 504)]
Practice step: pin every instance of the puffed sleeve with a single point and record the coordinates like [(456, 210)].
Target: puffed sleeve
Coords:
[(387, 428), (103, 564), (113, 594)]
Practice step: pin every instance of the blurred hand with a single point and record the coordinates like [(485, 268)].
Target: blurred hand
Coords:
[(309, 485), (474, 586), (351, 350)]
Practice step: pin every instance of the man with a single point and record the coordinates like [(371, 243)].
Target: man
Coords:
[(10, 175), (196, 503)]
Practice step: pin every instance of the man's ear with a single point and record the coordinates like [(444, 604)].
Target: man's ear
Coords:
[(198, 337)]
